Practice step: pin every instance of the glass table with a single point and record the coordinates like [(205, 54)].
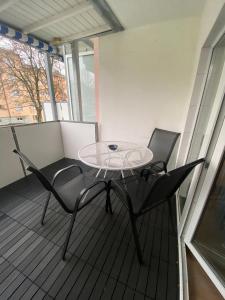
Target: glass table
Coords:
[(121, 157)]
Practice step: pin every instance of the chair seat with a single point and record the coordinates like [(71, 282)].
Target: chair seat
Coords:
[(71, 190), (138, 189)]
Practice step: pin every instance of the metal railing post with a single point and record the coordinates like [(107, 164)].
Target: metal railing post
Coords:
[(77, 83), (51, 90)]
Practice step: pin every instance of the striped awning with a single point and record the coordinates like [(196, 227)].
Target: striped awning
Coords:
[(17, 35)]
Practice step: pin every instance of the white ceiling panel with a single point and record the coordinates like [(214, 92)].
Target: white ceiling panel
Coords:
[(50, 19), (97, 17), (75, 23)]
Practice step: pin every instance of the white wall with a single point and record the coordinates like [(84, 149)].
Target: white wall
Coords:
[(10, 167), (42, 143), (75, 136), (146, 79)]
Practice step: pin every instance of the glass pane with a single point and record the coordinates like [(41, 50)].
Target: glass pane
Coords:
[(209, 94), (87, 77), (23, 83), (72, 89), (86, 80), (60, 88), (209, 237)]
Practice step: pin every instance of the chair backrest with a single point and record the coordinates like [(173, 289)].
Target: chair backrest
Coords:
[(162, 143), (32, 168), (167, 185), (44, 181)]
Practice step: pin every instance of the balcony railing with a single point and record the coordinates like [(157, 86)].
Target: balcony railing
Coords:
[(44, 143)]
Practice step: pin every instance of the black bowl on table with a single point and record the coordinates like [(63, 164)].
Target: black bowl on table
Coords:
[(113, 147)]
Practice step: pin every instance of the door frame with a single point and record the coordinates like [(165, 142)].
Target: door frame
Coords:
[(212, 39), (183, 229), (204, 148), (199, 207)]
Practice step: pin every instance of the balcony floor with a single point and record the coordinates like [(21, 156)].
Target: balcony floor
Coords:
[(101, 261)]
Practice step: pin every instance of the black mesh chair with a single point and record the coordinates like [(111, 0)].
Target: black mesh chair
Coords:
[(161, 144), (140, 196), (72, 196)]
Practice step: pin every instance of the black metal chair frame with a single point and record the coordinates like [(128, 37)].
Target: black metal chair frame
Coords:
[(163, 163), (124, 196), (50, 187)]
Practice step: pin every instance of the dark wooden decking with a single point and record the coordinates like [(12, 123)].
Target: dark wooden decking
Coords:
[(101, 260)]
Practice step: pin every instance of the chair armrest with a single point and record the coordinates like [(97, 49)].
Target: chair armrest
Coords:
[(63, 170), (84, 192)]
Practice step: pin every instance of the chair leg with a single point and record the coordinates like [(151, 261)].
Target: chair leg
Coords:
[(45, 208), (171, 215), (106, 201), (222, 222), (136, 239), (68, 234), (108, 206)]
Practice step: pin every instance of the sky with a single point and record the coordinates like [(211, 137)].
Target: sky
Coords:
[(4, 42)]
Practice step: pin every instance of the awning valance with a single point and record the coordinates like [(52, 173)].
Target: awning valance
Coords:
[(9, 32)]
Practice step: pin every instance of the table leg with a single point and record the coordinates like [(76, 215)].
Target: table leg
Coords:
[(122, 173), (105, 173), (99, 171)]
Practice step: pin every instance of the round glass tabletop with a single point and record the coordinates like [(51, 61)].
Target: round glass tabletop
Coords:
[(115, 155)]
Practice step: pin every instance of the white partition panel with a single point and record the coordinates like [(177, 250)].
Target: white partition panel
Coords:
[(10, 166), (77, 135), (42, 143)]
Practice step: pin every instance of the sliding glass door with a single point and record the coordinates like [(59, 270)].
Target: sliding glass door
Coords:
[(202, 196), (209, 237), (207, 128), (205, 229), (80, 71), (210, 96)]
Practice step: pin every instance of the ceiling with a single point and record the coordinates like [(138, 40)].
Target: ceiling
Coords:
[(134, 13), (55, 20), (61, 21)]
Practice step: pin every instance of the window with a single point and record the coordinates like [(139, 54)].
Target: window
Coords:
[(19, 107), (12, 77), (22, 71), (72, 89), (60, 89), (87, 78), (15, 93), (86, 84)]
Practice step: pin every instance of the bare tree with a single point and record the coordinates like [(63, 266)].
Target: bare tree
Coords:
[(25, 67)]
